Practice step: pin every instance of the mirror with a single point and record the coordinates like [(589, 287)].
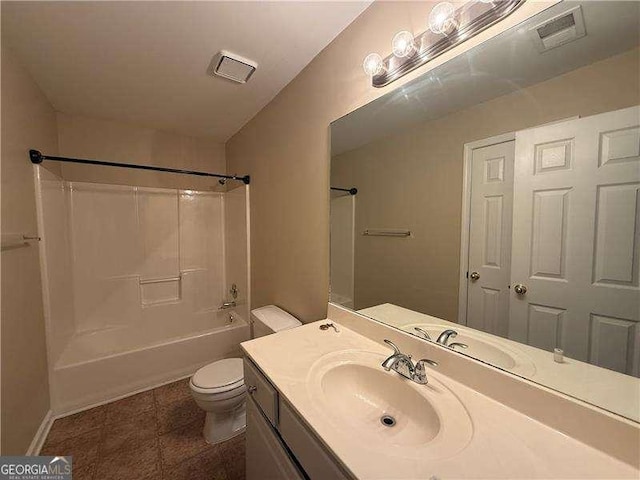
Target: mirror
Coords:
[(497, 208)]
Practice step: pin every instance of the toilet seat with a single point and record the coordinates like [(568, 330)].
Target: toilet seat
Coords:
[(218, 394), (221, 377)]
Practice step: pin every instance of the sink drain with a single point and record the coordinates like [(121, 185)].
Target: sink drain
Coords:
[(387, 420)]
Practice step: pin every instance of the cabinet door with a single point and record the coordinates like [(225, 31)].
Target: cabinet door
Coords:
[(266, 456), (316, 462), (261, 391)]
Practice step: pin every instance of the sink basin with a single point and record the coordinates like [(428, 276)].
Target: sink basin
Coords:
[(362, 400), (483, 348), (367, 396)]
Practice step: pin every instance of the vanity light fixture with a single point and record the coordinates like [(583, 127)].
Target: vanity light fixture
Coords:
[(373, 64), (447, 27), (442, 18), (403, 44)]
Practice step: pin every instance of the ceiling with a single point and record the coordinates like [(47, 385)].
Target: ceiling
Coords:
[(145, 62), (504, 64)]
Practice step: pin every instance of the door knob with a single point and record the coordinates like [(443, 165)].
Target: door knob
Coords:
[(520, 289), (474, 276)]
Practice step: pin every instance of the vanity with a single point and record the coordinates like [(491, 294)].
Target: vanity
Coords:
[(322, 406)]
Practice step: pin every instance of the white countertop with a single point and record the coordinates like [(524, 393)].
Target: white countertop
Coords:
[(504, 444), (608, 389)]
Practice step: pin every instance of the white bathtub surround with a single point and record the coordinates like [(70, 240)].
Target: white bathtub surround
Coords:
[(237, 218), (503, 443), (133, 281)]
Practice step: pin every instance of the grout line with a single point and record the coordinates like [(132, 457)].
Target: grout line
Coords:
[(101, 442), (157, 437)]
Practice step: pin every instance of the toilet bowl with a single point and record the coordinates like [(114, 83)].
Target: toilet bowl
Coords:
[(218, 388)]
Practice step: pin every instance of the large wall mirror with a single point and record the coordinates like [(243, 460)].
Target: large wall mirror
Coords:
[(497, 209)]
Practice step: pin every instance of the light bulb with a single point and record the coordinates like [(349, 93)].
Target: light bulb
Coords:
[(373, 64), (442, 18), (403, 44)]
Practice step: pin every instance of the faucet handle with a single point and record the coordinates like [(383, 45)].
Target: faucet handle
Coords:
[(393, 345), (422, 332), (420, 370), (433, 363)]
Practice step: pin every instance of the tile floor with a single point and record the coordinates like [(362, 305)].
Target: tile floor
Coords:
[(152, 435)]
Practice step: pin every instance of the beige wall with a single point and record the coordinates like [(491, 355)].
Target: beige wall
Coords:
[(92, 138), (414, 180), (285, 148), (28, 121)]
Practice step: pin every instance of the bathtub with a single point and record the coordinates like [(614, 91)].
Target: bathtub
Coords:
[(103, 366)]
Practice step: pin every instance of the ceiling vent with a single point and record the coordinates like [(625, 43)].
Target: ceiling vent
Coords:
[(232, 67), (559, 30)]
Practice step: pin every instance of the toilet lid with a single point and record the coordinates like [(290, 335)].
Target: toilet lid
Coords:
[(223, 373)]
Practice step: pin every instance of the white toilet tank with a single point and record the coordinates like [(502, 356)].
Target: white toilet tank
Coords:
[(271, 319)]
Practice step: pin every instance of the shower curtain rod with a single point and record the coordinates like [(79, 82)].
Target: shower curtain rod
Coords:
[(352, 191), (37, 157)]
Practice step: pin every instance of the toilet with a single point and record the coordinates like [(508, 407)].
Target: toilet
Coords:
[(218, 388)]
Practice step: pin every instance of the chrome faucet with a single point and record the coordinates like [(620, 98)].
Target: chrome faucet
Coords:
[(448, 334), (444, 337), (234, 293), (402, 364)]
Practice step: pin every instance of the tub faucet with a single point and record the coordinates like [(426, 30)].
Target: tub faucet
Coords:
[(402, 364), (226, 305)]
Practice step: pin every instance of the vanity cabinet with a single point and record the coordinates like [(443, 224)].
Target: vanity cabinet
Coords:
[(261, 391), (267, 456), (279, 444)]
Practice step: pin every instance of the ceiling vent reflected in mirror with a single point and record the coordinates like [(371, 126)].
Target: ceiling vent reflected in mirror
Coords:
[(232, 67), (562, 29)]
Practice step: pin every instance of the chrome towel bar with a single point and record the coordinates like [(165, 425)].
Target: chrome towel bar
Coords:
[(160, 280), (17, 239), (386, 233)]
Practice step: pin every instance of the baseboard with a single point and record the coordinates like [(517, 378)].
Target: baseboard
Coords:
[(41, 434)]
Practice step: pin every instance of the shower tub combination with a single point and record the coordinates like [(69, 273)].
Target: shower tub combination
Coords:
[(133, 281)]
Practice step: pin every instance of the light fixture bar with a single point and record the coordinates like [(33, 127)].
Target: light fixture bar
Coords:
[(472, 18)]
